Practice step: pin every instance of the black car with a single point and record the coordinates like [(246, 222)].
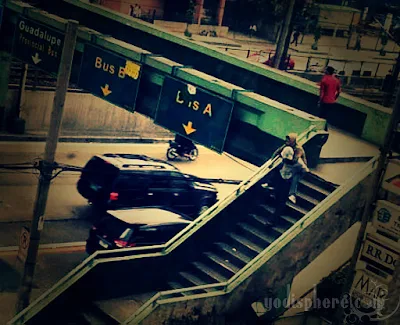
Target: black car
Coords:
[(113, 181), (135, 227)]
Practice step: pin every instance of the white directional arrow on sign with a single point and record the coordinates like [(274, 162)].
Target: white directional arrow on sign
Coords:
[(36, 58)]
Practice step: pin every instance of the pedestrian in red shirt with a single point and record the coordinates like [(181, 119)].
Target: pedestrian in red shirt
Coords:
[(329, 92)]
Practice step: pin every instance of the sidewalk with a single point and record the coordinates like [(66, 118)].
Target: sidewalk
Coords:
[(54, 232), (332, 47), (73, 137)]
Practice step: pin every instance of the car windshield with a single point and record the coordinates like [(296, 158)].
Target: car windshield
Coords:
[(100, 172)]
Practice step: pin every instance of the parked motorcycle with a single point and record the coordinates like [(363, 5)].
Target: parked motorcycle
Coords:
[(176, 150)]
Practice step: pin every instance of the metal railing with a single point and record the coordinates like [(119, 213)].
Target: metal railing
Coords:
[(318, 63)]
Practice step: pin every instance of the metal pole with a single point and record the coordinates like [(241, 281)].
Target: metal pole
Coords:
[(377, 41), (308, 64), (350, 31), (282, 40), (21, 91), (392, 84), (377, 69), (371, 199), (47, 165)]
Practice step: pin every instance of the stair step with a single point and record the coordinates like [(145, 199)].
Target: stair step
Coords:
[(307, 198), (267, 208), (195, 281), (175, 285), (279, 229), (289, 219), (296, 208), (312, 178), (263, 221), (234, 252), (255, 232), (209, 272), (246, 243), (95, 315), (314, 187), (222, 262)]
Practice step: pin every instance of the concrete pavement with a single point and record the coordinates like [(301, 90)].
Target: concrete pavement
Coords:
[(54, 232), (50, 268)]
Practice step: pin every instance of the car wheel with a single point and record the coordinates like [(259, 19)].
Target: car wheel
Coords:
[(171, 154), (193, 154)]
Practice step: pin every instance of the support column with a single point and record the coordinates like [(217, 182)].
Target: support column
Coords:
[(5, 62), (199, 10), (221, 11)]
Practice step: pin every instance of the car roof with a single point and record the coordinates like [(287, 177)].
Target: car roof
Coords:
[(137, 162), (150, 216)]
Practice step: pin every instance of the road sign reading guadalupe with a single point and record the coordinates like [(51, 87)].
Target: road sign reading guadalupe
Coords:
[(109, 76), (194, 113), (38, 45)]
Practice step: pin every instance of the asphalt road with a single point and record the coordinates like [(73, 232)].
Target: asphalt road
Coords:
[(18, 188)]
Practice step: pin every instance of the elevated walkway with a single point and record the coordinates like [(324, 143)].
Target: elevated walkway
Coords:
[(257, 125), (364, 119)]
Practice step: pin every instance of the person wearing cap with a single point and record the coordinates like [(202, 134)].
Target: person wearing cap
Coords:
[(282, 180), (300, 157), (329, 91)]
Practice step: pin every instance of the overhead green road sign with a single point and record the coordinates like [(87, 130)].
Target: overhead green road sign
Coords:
[(194, 113), (38, 45), (110, 76)]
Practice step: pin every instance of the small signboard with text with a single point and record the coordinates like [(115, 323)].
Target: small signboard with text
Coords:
[(194, 113), (386, 218), (109, 76), (391, 180), (379, 255), (368, 289)]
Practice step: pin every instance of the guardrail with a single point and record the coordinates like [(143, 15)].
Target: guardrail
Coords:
[(318, 63)]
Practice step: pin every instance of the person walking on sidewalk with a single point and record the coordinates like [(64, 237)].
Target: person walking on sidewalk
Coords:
[(295, 40), (329, 92), (357, 47)]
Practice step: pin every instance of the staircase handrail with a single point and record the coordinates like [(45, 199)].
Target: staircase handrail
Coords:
[(261, 259)]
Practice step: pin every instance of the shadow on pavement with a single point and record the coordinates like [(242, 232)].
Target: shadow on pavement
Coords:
[(10, 278)]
